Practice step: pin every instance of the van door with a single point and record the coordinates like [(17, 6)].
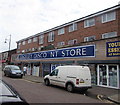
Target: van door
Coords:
[(53, 77)]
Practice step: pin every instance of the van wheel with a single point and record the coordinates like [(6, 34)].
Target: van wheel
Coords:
[(70, 87), (47, 83)]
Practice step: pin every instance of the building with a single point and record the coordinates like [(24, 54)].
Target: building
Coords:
[(93, 40), (5, 57)]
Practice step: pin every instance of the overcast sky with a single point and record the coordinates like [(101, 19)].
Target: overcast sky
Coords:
[(23, 18)]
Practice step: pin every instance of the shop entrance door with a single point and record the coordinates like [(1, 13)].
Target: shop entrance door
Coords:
[(108, 75)]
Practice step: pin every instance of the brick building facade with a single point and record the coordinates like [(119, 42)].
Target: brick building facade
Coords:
[(93, 40)]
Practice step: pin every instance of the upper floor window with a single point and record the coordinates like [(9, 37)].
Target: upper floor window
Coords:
[(41, 39), (51, 37), (30, 40), (73, 27), (72, 42), (108, 17), (18, 51), (89, 22), (23, 51), (109, 35), (90, 38), (19, 45), (61, 31), (35, 39), (59, 44), (23, 43)]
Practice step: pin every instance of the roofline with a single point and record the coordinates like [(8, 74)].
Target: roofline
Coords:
[(74, 21)]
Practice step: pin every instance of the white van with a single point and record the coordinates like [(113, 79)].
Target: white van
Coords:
[(70, 77)]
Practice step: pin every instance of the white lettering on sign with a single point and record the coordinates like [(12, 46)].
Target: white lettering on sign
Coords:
[(54, 54), (80, 51)]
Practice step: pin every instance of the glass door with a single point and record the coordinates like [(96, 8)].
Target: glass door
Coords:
[(113, 76), (108, 75), (103, 75)]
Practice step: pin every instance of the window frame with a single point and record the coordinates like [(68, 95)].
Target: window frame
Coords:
[(30, 40), (51, 36), (71, 42), (73, 27), (35, 39), (107, 35), (41, 39), (105, 17), (24, 42), (88, 39), (88, 21), (61, 31), (59, 44)]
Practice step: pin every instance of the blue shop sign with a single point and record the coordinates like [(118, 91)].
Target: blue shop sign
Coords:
[(72, 52), (113, 49)]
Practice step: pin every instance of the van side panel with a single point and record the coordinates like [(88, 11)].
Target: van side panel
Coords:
[(67, 73), (79, 76)]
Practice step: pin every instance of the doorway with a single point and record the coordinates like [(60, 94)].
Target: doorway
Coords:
[(108, 76)]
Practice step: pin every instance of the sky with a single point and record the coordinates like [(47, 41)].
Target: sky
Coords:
[(24, 18)]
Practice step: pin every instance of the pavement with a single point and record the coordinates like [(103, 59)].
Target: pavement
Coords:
[(101, 93)]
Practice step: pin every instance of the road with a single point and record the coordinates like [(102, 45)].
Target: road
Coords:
[(39, 93)]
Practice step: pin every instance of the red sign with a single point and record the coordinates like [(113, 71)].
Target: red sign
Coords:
[(2, 61)]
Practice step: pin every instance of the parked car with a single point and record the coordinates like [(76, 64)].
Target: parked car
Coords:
[(70, 77), (9, 96), (13, 71)]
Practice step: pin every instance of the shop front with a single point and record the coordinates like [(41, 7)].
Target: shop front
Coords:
[(108, 75), (101, 57)]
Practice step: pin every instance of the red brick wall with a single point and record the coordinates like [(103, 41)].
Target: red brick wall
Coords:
[(80, 33)]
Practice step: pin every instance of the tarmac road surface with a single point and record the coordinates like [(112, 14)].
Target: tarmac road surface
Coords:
[(39, 93)]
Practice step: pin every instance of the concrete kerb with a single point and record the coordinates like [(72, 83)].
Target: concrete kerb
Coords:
[(33, 79), (115, 98)]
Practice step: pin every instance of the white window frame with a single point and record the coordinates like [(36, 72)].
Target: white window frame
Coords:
[(19, 45), (72, 42), (18, 51), (41, 39), (59, 44), (109, 35), (90, 38), (29, 40), (87, 23), (23, 51), (51, 36), (73, 27), (23, 43), (61, 31), (108, 17), (35, 39)]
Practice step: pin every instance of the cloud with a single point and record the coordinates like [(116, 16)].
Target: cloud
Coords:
[(23, 18)]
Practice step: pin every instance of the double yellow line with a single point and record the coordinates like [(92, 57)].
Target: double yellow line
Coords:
[(100, 98)]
